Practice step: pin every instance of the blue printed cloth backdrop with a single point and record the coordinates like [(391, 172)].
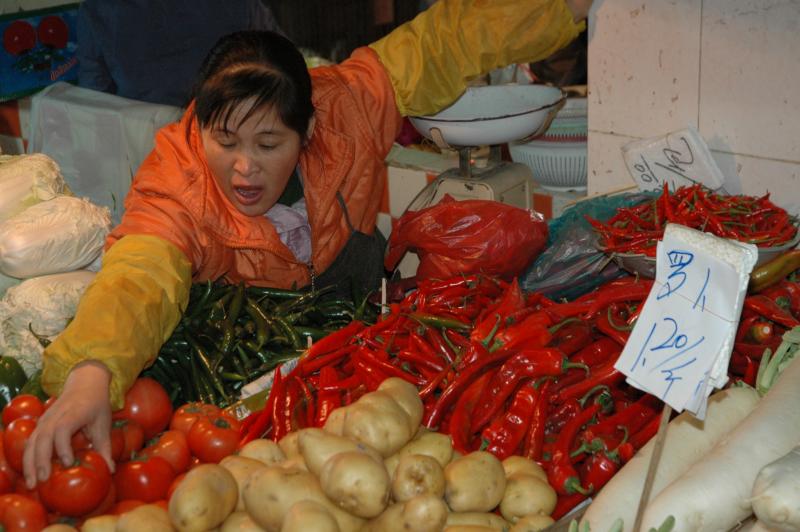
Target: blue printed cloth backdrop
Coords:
[(38, 49)]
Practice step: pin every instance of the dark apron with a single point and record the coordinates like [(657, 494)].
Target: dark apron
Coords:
[(358, 269)]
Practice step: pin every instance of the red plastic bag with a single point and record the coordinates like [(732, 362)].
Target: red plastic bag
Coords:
[(470, 236)]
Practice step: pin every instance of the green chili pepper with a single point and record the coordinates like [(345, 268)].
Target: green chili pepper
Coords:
[(12, 379)]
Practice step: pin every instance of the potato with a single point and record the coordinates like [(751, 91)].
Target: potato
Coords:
[(532, 523), (240, 522), (335, 422), (433, 444), (207, 495), (241, 467), (417, 474), (379, 421), (423, 513), (527, 494), (263, 450), (289, 444), (101, 523), (295, 462), (407, 396), (317, 446), (59, 527), (270, 492), (469, 528), (357, 483), (474, 483), (150, 517), (520, 464), (480, 519), (305, 516)]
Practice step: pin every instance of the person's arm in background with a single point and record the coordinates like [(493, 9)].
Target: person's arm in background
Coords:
[(123, 318), (431, 58), (93, 71)]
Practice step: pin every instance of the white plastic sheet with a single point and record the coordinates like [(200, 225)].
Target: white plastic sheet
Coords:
[(98, 139)]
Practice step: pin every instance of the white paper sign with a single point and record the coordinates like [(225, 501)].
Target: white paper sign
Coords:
[(680, 158), (681, 344)]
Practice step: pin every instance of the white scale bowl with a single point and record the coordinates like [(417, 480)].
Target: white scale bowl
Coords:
[(493, 114)]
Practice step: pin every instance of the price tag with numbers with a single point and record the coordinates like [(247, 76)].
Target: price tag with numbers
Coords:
[(681, 344)]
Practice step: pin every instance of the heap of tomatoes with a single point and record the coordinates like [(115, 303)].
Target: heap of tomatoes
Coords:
[(152, 448)]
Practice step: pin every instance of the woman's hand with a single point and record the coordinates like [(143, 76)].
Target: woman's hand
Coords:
[(82, 405)]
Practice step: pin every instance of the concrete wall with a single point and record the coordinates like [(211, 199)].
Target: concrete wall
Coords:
[(730, 68)]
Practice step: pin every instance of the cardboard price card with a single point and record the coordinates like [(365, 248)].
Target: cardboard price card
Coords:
[(681, 344)]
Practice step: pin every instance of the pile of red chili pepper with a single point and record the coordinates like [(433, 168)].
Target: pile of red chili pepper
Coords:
[(771, 307), (755, 220), (497, 369)]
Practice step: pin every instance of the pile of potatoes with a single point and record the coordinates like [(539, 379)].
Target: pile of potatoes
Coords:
[(371, 468)]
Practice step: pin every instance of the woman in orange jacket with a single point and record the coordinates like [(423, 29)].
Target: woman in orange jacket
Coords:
[(213, 198)]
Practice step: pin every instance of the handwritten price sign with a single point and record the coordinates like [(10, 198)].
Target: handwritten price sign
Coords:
[(680, 158), (682, 341)]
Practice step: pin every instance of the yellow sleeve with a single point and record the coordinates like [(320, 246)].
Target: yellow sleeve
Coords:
[(128, 311), (431, 58)]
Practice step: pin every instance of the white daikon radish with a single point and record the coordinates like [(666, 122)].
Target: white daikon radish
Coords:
[(714, 494), (687, 440), (776, 492)]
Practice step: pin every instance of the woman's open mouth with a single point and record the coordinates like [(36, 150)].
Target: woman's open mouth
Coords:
[(248, 195)]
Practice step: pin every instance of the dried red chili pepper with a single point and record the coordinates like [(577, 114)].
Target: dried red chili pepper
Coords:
[(768, 309), (511, 301), (606, 374), (562, 415), (370, 359), (528, 363), (306, 367), (327, 400), (646, 433), (282, 407), (533, 442), (439, 344), (532, 332), (605, 325), (793, 289), (637, 291), (560, 471), (598, 352), (503, 436), (458, 427), (757, 350), (566, 503), (597, 470), (332, 342), (470, 373), (632, 418), (571, 337), (421, 361)]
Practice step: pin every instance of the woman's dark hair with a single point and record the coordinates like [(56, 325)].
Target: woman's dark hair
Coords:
[(254, 64)]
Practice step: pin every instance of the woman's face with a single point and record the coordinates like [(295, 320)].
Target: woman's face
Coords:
[(252, 162)]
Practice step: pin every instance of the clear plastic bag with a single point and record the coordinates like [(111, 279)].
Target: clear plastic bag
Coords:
[(572, 264)]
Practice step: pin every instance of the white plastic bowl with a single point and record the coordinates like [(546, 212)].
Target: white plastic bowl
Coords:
[(555, 165), (492, 114)]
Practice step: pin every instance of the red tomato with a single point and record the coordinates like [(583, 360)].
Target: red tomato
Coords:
[(19, 37), (185, 416), (23, 405), (148, 404), (78, 489), (173, 447), (53, 31), (127, 438), (49, 402), (14, 438), (80, 441), (5, 467), (145, 479), (212, 439), (175, 483), (6, 484), (104, 507), (21, 514)]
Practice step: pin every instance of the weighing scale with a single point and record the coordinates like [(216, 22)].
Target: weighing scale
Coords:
[(491, 116)]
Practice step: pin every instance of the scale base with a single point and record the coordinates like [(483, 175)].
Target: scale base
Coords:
[(506, 182)]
